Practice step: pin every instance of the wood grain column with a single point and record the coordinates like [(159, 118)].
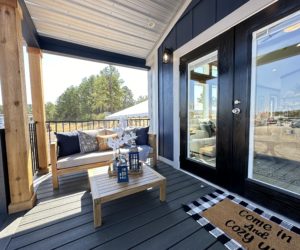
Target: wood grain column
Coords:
[(38, 106), (15, 108)]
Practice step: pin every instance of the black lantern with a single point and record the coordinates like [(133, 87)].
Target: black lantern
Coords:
[(134, 160), (167, 55), (122, 173)]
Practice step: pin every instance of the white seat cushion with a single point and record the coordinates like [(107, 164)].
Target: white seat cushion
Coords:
[(82, 159), (94, 157)]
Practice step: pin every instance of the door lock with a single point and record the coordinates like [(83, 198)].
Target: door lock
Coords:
[(236, 102), (236, 111)]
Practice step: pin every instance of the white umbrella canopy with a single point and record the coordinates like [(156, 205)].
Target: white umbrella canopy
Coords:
[(139, 110)]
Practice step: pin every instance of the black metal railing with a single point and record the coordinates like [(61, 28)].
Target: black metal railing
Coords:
[(34, 148), (66, 126)]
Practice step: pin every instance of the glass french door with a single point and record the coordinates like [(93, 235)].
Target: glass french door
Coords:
[(274, 144), (266, 132), (202, 109), (206, 94), (240, 109)]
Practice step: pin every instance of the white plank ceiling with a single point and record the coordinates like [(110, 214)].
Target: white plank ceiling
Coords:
[(129, 27)]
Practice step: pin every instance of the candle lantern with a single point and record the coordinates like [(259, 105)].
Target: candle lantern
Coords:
[(122, 173), (134, 160)]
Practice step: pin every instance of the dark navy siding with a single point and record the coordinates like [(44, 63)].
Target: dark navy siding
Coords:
[(204, 16), (160, 105), (199, 16), (184, 34), (167, 77), (225, 7)]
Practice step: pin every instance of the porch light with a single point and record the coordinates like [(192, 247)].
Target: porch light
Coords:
[(167, 55)]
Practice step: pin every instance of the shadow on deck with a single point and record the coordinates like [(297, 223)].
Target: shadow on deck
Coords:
[(64, 219)]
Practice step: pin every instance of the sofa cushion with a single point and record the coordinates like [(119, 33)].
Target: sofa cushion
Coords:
[(95, 132), (141, 136), (144, 152), (88, 143), (102, 141), (130, 131), (109, 131), (196, 144), (68, 143), (82, 159), (208, 151)]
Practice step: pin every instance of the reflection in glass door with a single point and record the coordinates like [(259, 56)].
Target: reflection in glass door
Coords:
[(274, 142), (202, 109)]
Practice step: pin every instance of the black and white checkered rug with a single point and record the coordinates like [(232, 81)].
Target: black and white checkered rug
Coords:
[(195, 208)]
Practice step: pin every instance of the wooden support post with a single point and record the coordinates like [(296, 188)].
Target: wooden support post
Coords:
[(97, 213), (12, 77), (162, 190), (38, 106)]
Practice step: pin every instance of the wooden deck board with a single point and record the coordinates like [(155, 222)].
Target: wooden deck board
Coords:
[(217, 246), (173, 234), (198, 240), (155, 217), (173, 185), (64, 219)]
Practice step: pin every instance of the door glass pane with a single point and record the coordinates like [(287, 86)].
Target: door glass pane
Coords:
[(202, 109), (275, 105)]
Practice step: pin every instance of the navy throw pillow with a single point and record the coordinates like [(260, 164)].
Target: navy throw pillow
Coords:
[(68, 143), (141, 136)]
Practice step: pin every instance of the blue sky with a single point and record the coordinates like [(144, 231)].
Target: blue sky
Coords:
[(61, 72)]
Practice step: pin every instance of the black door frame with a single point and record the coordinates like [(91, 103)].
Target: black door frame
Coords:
[(233, 140), (277, 199), (224, 45)]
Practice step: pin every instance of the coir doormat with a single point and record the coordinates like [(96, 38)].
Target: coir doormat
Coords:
[(240, 225)]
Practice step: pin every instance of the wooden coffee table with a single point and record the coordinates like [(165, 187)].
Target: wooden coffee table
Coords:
[(105, 188)]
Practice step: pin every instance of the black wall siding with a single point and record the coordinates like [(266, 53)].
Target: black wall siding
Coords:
[(160, 105), (166, 107), (225, 7), (184, 30), (190, 7), (204, 16), (199, 16)]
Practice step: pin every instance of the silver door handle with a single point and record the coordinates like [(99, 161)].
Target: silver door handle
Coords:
[(236, 111), (236, 102)]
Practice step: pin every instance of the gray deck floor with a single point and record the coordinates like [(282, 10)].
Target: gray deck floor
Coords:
[(64, 219)]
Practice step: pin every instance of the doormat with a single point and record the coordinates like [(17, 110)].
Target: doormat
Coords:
[(240, 225)]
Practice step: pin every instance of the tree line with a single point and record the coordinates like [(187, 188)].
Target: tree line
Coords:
[(96, 96)]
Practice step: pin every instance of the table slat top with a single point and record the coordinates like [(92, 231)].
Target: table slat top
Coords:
[(103, 185)]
